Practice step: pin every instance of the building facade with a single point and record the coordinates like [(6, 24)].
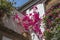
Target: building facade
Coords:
[(8, 27)]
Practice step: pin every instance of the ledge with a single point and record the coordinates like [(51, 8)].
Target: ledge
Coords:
[(29, 4), (9, 33)]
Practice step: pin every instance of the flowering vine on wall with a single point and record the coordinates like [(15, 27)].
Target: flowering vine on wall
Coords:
[(30, 23), (52, 22)]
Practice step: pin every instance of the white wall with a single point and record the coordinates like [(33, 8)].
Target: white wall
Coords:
[(41, 12)]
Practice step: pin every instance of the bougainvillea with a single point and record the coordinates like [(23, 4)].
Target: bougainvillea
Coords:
[(52, 22), (33, 22), (30, 23)]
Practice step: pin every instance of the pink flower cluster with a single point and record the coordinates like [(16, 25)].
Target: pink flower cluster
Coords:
[(33, 22), (27, 22)]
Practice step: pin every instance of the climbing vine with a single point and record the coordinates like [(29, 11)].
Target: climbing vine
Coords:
[(52, 22)]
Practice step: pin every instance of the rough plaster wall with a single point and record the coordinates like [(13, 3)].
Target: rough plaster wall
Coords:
[(11, 24)]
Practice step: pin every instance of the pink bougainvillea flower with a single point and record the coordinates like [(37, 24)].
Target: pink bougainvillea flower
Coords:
[(31, 20), (30, 14), (25, 26), (36, 16), (25, 18)]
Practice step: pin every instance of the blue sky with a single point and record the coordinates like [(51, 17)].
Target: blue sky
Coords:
[(19, 2)]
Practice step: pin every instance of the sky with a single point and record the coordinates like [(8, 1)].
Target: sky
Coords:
[(19, 3)]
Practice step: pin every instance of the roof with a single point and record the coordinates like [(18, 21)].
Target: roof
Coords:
[(29, 4)]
